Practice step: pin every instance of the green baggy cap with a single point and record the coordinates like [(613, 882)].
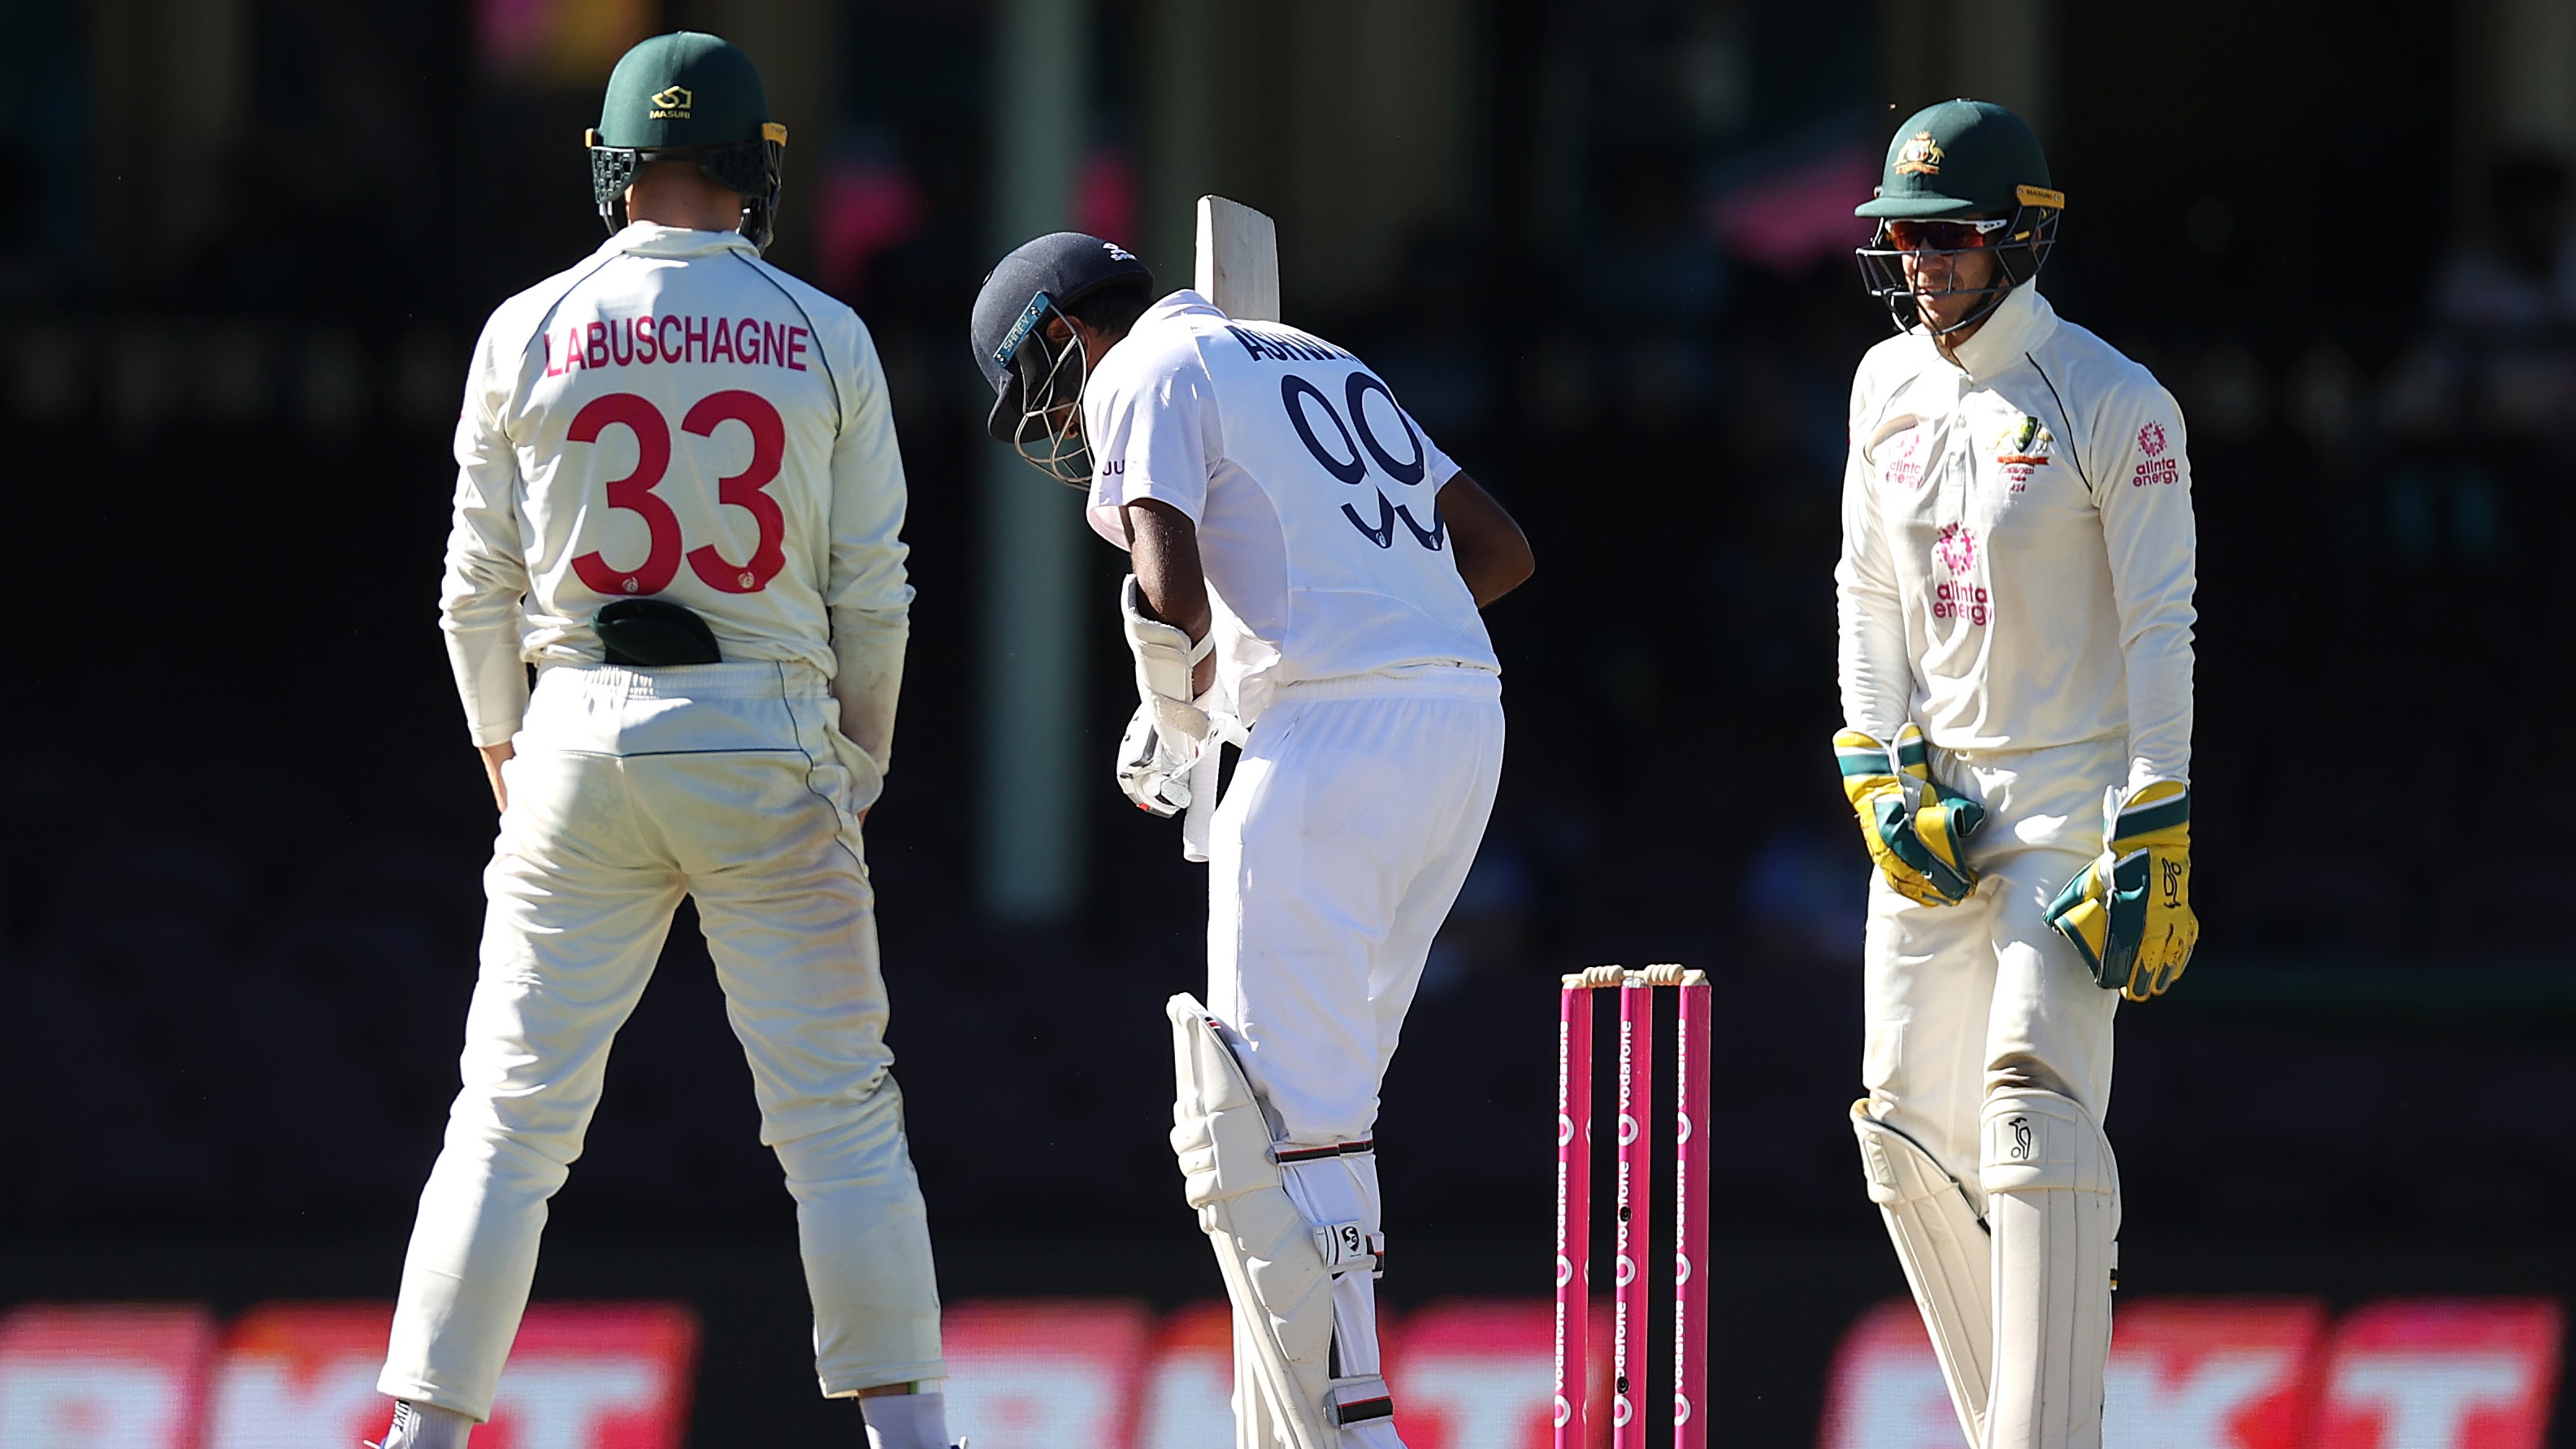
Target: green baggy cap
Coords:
[(1958, 158)]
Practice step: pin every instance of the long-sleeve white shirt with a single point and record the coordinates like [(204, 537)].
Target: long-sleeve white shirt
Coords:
[(2018, 545), (676, 417)]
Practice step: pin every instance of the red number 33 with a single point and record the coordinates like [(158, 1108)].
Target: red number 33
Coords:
[(634, 493)]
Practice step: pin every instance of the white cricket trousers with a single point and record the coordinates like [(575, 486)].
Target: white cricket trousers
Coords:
[(1339, 847), (1983, 997), (630, 788)]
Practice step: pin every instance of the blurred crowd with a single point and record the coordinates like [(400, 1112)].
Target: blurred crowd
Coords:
[(239, 903)]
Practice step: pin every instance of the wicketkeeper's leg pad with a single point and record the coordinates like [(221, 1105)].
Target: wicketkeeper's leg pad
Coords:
[(1279, 1265), (1943, 1244), (2053, 1201)]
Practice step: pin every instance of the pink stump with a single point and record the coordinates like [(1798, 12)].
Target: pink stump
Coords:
[(1573, 1213), (1636, 1212), (1690, 1220)]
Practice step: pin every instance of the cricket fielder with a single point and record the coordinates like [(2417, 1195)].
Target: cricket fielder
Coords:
[(2016, 625), (680, 499), (1308, 569)]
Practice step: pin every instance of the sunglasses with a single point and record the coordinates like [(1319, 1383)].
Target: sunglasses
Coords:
[(1942, 236)]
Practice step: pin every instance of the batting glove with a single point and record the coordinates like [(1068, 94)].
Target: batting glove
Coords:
[(1155, 761), (1169, 731), (1916, 828), (2129, 912)]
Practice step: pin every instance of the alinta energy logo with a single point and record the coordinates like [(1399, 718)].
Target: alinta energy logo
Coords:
[(1961, 597), (2158, 467), (1905, 466)]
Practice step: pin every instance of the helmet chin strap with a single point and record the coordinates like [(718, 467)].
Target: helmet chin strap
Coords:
[(1993, 298)]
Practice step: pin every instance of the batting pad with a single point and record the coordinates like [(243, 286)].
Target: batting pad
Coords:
[(1943, 1245), (1274, 1264), (2053, 1200)]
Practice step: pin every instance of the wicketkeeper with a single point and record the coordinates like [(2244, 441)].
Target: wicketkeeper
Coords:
[(2016, 664)]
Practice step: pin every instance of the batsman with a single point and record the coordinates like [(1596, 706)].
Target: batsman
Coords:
[(2015, 601), (1309, 568)]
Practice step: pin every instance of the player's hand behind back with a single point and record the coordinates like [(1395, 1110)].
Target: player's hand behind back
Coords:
[(494, 757)]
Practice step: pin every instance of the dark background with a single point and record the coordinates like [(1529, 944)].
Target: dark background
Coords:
[(246, 244)]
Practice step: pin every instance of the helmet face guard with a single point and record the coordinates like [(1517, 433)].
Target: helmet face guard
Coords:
[(1028, 344), (752, 168), (2027, 238), (1048, 380)]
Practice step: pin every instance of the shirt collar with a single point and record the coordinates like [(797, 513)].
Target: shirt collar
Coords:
[(2021, 322), (1180, 303), (652, 239)]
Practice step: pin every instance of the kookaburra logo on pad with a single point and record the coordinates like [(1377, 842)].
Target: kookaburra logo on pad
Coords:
[(2021, 1138), (672, 104)]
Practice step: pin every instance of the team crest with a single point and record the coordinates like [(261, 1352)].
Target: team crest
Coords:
[(2027, 442), (1921, 157)]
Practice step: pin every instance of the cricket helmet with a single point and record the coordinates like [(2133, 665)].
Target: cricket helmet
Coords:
[(1967, 162), (1034, 380), (687, 96)]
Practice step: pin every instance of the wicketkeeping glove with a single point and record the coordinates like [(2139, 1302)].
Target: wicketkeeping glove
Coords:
[(1916, 828), (2129, 912)]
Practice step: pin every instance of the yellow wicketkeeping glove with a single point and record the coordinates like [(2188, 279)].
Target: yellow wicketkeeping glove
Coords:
[(1916, 830), (2129, 912)]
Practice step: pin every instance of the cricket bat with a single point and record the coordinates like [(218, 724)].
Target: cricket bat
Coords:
[(1238, 270), (1238, 261)]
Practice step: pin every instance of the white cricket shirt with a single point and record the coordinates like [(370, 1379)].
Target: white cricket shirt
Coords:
[(2018, 545), (1314, 492), (676, 417)]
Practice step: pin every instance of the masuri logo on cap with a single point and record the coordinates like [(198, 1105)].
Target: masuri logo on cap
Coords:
[(672, 104)]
